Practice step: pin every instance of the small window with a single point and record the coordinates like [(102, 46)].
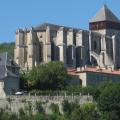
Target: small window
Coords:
[(41, 36), (30, 56)]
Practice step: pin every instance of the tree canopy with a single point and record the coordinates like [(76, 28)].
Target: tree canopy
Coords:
[(7, 47), (109, 100), (52, 75)]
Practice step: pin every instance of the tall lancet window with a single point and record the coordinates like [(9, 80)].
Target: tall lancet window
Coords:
[(41, 51), (52, 50), (70, 55), (95, 45)]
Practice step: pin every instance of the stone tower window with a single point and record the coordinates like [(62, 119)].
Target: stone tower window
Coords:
[(52, 50), (40, 51)]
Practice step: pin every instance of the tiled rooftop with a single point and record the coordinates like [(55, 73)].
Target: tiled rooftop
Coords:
[(94, 70)]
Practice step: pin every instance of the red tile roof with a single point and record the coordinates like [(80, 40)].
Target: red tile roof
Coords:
[(72, 72), (93, 69)]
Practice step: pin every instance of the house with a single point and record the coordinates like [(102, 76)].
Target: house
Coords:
[(9, 75)]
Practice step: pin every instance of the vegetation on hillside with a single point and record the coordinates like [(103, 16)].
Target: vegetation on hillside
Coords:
[(7, 47), (106, 107), (52, 78)]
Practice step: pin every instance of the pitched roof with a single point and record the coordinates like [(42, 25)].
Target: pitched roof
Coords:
[(104, 14), (100, 70), (52, 26), (2, 72), (3, 59), (5, 62), (44, 26)]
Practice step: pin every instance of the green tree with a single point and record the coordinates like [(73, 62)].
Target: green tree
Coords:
[(109, 100), (13, 116), (39, 116), (77, 114), (55, 108), (91, 90), (52, 75), (7, 47), (24, 80), (72, 110), (90, 112), (23, 114)]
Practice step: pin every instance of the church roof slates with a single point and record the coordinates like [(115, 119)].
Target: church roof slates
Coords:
[(104, 14), (53, 26)]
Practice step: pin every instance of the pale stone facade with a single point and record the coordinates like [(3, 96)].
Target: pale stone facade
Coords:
[(100, 46)]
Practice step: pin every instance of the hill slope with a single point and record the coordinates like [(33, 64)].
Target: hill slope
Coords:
[(7, 47)]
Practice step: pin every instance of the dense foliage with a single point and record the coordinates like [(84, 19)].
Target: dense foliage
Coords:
[(109, 100), (105, 107), (51, 76), (7, 47)]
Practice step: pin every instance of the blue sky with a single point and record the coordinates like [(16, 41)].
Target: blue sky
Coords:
[(26, 13)]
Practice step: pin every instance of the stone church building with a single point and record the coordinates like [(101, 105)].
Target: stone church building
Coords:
[(98, 46)]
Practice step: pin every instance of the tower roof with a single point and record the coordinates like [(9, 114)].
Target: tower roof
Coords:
[(104, 14)]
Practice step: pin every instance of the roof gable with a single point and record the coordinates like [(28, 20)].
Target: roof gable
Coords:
[(5, 64), (3, 58), (104, 14)]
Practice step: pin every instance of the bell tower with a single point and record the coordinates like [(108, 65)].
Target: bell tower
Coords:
[(105, 22)]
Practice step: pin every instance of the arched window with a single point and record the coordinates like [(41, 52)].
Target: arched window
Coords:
[(103, 57), (94, 61), (52, 50), (69, 55)]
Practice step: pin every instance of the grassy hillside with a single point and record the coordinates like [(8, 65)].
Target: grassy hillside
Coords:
[(7, 47)]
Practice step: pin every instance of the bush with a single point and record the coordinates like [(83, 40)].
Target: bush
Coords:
[(52, 75), (39, 107), (55, 108), (109, 99)]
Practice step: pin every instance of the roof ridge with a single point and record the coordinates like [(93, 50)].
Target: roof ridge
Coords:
[(105, 9), (105, 14)]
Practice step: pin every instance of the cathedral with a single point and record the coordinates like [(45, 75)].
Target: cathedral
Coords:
[(99, 46)]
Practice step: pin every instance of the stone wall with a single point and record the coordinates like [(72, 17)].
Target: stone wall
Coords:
[(14, 103)]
